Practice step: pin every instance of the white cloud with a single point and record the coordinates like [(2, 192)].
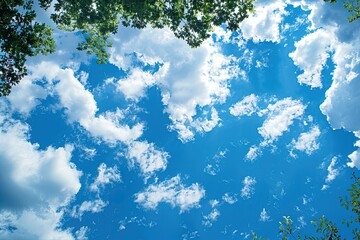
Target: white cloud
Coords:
[(147, 157), (253, 153), (310, 55), (333, 172), (214, 168), (211, 169), (248, 188), (307, 142), (341, 103), (33, 225), (173, 192), (280, 116), (355, 157), (94, 206), (35, 185), (105, 176), (247, 106), (26, 96), (264, 216), (204, 124), (213, 203), (263, 25), (229, 198), (306, 199), (137, 81), (193, 81), (139, 221), (82, 233), (211, 217), (80, 105)]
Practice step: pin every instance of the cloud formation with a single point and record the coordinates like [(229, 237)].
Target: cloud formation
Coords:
[(310, 55), (147, 157), (248, 187), (106, 175), (247, 106), (264, 24), (173, 192), (35, 185), (191, 80), (279, 116), (307, 142)]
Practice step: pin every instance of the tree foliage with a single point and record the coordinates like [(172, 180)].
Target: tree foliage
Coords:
[(353, 7), (191, 20), (21, 36), (325, 229)]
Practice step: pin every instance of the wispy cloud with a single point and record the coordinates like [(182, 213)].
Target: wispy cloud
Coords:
[(280, 116), (248, 187), (264, 216)]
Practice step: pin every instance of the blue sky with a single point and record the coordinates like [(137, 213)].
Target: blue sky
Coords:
[(169, 142)]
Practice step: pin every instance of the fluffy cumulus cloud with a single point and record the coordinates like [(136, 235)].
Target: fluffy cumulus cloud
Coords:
[(310, 55), (106, 175), (263, 25), (79, 104), (33, 225), (341, 99), (248, 187), (280, 116), (355, 157), (247, 106), (307, 142), (173, 192), (26, 96), (147, 157), (137, 81), (191, 81), (35, 185)]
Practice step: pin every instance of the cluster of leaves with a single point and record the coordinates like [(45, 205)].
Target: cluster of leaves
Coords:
[(353, 7), (21, 36), (191, 20), (326, 229)]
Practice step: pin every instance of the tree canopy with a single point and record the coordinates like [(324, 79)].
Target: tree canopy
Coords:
[(191, 20), (326, 229), (21, 36), (353, 7)]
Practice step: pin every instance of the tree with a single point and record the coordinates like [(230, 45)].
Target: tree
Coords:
[(353, 7), (21, 36), (191, 20), (325, 228)]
